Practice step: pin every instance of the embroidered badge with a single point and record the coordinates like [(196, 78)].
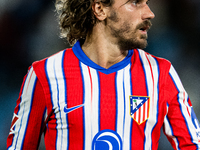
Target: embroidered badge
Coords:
[(139, 108)]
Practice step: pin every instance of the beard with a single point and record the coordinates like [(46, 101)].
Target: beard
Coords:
[(127, 38)]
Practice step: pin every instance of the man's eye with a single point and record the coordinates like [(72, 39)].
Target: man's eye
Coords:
[(135, 2)]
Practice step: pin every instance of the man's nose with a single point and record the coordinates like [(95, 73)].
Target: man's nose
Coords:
[(147, 14)]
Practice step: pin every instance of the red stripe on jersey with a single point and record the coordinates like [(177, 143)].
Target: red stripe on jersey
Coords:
[(189, 102), (74, 86), (33, 132), (50, 130), (41, 72), (138, 76), (138, 89), (91, 83), (107, 101), (144, 110)]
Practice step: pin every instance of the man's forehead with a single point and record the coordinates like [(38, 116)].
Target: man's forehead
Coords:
[(123, 2)]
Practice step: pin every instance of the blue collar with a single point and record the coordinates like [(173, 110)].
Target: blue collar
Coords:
[(84, 59)]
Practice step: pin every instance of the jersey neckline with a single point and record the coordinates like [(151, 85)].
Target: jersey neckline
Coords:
[(87, 61)]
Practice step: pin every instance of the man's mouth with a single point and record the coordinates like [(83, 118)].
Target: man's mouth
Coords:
[(146, 28)]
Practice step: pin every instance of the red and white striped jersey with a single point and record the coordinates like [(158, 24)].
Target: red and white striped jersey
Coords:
[(79, 105)]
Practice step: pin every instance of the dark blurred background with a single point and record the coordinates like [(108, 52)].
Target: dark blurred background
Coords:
[(29, 31)]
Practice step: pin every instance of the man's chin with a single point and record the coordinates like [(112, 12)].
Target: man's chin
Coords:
[(138, 45), (128, 44), (142, 44)]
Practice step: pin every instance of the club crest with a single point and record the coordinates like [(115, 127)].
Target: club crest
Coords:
[(139, 108)]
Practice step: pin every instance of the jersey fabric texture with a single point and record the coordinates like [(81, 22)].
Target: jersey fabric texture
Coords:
[(79, 105)]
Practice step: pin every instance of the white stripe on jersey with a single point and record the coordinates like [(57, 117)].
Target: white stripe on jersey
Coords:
[(58, 90), (128, 122), (182, 99), (152, 74), (87, 106), (120, 102), (95, 102), (24, 110)]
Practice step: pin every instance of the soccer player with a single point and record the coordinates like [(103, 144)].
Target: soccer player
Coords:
[(105, 92)]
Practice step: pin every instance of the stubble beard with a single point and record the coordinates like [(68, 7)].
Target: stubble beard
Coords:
[(127, 39)]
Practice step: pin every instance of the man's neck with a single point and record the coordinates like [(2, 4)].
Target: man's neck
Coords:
[(102, 50)]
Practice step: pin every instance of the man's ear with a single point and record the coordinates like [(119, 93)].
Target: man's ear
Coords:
[(99, 10)]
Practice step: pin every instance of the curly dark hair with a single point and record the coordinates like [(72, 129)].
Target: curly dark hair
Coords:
[(76, 18)]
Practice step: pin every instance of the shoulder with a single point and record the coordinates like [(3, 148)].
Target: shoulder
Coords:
[(45, 67), (41, 65), (149, 59)]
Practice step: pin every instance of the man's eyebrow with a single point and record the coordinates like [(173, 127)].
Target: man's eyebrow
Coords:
[(138, 0), (125, 3), (148, 1)]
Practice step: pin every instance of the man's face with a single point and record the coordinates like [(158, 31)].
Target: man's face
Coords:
[(128, 23)]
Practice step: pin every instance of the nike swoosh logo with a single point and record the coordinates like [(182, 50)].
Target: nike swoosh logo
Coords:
[(68, 110)]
